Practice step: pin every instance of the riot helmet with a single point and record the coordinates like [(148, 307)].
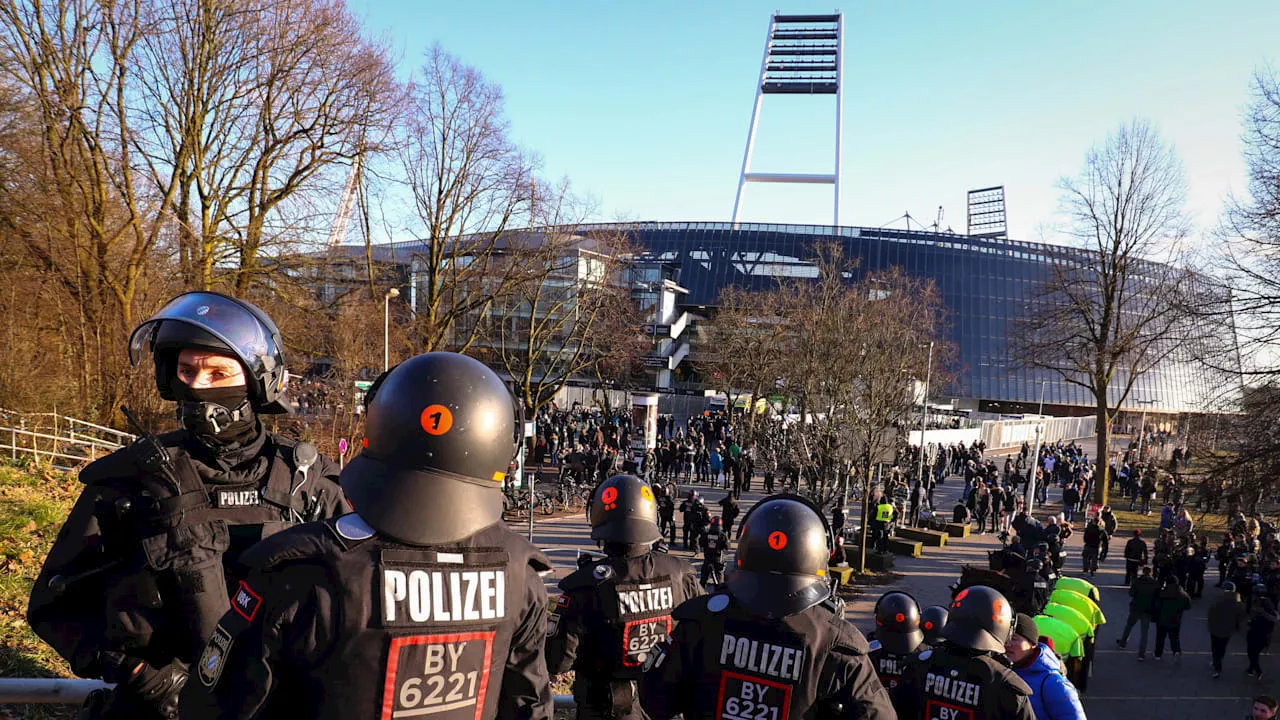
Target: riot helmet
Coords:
[(219, 323), (932, 620), (440, 433), (624, 511), (980, 619), (780, 566), (898, 623)]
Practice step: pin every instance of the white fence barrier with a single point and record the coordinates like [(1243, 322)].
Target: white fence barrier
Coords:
[(1012, 433), (946, 437)]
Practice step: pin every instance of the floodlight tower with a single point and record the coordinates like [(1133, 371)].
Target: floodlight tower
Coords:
[(803, 55)]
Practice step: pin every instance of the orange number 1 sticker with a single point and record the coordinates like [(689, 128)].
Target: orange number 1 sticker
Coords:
[(436, 420)]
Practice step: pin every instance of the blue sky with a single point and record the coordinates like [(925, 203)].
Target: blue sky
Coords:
[(646, 105)]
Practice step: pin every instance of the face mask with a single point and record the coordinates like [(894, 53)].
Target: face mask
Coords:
[(219, 416)]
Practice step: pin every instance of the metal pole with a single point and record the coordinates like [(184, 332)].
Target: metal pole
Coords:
[(1142, 432), (386, 332), (755, 120), (840, 120), (1041, 410), (1029, 497), (924, 407)]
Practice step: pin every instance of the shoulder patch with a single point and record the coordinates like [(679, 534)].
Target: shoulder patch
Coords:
[(717, 603), (926, 654), (246, 602), (214, 657), (353, 527), (602, 572), (873, 646)]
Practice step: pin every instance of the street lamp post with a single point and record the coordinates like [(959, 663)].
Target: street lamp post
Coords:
[(1142, 426), (1029, 498), (924, 413), (386, 327), (1041, 410)]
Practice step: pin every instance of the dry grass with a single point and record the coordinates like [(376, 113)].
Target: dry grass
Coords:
[(34, 502)]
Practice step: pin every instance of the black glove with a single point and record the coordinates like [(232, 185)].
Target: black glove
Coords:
[(160, 687)]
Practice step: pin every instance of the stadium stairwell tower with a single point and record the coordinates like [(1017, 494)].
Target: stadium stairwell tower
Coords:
[(803, 55)]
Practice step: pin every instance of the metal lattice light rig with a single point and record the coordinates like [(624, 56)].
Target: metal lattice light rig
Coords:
[(803, 55)]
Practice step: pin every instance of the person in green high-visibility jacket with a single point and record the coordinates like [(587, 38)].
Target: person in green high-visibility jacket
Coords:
[(1083, 587), (1068, 643), (1081, 604), (880, 523), (1082, 625)]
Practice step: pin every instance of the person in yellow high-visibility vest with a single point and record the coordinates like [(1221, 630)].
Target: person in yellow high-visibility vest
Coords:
[(880, 525)]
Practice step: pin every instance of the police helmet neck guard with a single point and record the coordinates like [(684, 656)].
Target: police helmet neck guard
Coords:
[(219, 323), (625, 511), (780, 567), (440, 434), (897, 618)]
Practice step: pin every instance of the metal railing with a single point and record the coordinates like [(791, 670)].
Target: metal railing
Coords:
[(65, 691), (28, 442)]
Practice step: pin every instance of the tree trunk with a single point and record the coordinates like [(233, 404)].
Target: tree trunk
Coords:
[(866, 500), (1102, 454)]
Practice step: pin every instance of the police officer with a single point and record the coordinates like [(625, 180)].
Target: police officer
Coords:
[(932, 620), (967, 677), (423, 602), (146, 563), (880, 525), (613, 611), (775, 643), (897, 638), (714, 545)]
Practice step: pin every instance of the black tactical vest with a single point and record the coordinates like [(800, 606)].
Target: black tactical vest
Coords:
[(958, 686), (419, 632), (890, 666), (631, 601), (755, 670)]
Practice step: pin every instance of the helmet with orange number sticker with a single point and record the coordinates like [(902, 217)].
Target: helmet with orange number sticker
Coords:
[(440, 434), (781, 564), (980, 619), (898, 623), (624, 510), (932, 620)]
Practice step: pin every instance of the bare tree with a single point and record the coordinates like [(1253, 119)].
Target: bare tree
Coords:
[(1115, 309), (75, 59), (743, 349), (1250, 244), (468, 184)]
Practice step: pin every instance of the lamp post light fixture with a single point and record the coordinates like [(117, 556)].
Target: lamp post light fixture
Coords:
[(386, 327)]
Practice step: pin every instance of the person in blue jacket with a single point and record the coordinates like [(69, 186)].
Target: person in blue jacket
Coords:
[(1054, 698)]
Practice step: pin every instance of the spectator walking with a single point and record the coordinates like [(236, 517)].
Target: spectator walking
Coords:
[(1226, 615), (1171, 603), (1142, 604), (1135, 556), (1262, 623)]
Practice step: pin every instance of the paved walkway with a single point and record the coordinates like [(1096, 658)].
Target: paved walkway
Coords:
[(1121, 687)]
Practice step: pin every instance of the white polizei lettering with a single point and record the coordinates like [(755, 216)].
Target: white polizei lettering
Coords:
[(455, 596), (470, 611), (645, 599), (421, 596), (237, 498), (486, 595), (761, 657), (501, 585), (438, 602), (959, 691), (393, 591)]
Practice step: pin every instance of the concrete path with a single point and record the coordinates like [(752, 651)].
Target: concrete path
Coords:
[(1121, 688)]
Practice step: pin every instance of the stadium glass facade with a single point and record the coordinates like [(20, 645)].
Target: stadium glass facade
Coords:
[(985, 284)]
